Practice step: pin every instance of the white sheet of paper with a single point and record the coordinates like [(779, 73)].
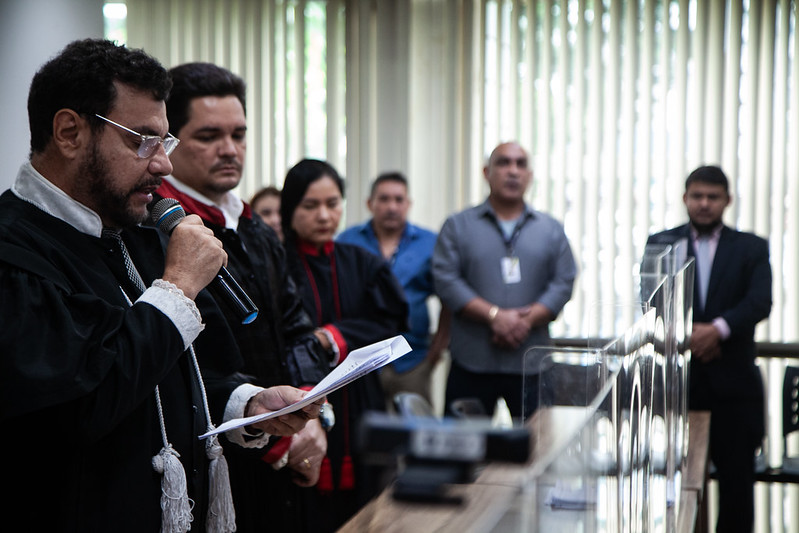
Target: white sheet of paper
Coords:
[(358, 363)]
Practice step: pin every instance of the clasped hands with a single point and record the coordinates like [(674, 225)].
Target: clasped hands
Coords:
[(511, 326), (705, 342)]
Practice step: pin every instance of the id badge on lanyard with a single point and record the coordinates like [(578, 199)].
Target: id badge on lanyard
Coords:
[(510, 265), (511, 270)]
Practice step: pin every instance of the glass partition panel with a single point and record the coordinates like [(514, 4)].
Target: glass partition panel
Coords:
[(575, 459), (592, 468), (673, 301), (673, 261), (610, 425), (641, 501), (683, 300)]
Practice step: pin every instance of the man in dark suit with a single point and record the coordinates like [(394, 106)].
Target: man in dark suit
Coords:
[(732, 293)]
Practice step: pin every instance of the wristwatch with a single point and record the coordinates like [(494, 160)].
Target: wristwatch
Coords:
[(327, 417)]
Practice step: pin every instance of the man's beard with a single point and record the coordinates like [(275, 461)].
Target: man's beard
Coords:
[(705, 228), (392, 222), (111, 204)]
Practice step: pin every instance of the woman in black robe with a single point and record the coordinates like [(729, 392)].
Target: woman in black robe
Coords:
[(354, 298)]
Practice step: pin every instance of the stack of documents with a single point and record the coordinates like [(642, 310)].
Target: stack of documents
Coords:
[(357, 364)]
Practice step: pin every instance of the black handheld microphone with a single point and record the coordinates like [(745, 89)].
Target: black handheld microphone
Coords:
[(165, 215)]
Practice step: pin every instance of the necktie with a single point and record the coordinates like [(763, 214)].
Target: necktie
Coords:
[(133, 274), (703, 266)]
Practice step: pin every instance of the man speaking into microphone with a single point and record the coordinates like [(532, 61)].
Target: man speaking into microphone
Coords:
[(206, 112), (102, 394)]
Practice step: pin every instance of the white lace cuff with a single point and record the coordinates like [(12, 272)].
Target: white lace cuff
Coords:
[(182, 311), (235, 407)]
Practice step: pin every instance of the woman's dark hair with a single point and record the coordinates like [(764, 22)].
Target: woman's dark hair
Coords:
[(81, 77), (298, 179)]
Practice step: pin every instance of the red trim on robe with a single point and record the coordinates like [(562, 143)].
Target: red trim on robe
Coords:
[(277, 451), (343, 351), (307, 248), (209, 213)]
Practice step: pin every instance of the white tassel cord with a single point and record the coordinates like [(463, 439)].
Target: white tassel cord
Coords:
[(221, 514), (175, 503)]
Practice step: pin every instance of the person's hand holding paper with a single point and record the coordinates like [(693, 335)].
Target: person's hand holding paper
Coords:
[(358, 363), (277, 398)]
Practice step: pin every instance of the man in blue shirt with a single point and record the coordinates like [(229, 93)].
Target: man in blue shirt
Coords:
[(408, 249)]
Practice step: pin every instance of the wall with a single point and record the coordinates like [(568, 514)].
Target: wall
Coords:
[(32, 31)]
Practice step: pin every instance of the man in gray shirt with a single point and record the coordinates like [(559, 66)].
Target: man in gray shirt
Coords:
[(505, 271)]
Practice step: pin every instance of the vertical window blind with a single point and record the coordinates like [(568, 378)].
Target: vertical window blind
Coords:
[(615, 101)]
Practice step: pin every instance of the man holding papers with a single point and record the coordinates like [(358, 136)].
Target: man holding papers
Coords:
[(358, 364)]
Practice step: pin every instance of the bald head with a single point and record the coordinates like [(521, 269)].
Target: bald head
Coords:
[(502, 148), (508, 174)]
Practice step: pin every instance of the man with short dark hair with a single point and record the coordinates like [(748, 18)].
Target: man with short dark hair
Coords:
[(207, 113), (101, 386), (505, 271), (732, 293), (408, 249)]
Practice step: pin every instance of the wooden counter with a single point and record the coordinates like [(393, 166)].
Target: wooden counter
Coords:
[(695, 473), (500, 486)]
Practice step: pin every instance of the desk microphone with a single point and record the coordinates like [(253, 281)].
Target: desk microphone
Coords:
[(165, 215)]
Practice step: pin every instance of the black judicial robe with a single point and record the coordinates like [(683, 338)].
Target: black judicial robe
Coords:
[(78, 370), (277, 348), (372, 308), (281, 348)]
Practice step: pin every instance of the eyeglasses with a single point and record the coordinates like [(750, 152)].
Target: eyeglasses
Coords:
[(149, 143)]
